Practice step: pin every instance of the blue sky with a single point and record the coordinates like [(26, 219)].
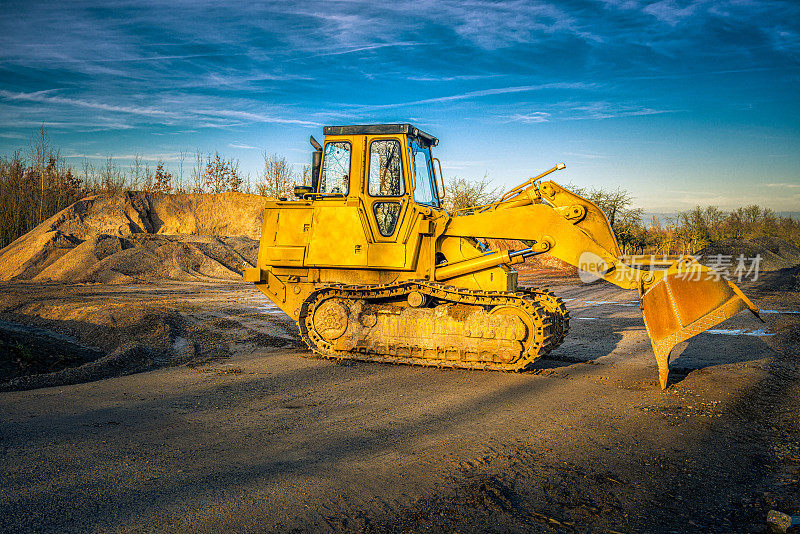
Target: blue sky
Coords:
[(680, 102)]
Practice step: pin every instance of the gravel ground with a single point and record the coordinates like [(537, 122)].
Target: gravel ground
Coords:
[(227, 423)]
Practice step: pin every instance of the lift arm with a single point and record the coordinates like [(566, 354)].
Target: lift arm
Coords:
[(677, 303)]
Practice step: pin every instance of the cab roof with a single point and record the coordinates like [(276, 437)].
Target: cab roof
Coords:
[(383, 129)]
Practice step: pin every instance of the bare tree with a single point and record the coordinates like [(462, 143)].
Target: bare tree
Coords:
[(148, 178), (112, 179), (162, 181), (614, 203), (198, 178), (221, 174), (136, 171), (277, 180), (462, 193), (89, 176), (181, 158), (41, 151)]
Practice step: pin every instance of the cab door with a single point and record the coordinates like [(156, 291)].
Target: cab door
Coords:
[(387, 201)]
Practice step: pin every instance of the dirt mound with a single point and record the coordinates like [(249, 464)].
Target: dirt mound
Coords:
[(89, 343), (148, 257), (140, 236), (30, 350), (54, 334), (782, 280), (775, 253)]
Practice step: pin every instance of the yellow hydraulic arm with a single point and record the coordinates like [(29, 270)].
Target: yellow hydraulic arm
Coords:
[(677, 303)]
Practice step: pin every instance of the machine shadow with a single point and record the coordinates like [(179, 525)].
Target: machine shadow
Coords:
[(726, 346), (678, 471), (586, 342), (339, 449), (734, 451)]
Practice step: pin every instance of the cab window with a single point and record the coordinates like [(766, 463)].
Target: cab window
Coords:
[(335, 174), (385, 169), (424, 183), (386, 215)]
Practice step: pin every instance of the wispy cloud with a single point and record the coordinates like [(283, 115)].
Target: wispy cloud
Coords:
[(570, 110), (482, 93), (785, 185), (670, 12), (67, 60), (495, 25), (255, 117), (461, 78), (183, 115), (357, 49), (527, 118), (608, 110), (45, 97), (242, 146), (240, 80)]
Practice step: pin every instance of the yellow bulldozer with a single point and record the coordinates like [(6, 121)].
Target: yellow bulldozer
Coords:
[(371, 267)]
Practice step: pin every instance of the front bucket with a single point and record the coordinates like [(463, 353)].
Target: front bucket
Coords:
[(689, 299)]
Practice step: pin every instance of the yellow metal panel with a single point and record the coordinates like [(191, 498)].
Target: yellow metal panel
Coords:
[(337, 238), (269, 228), (287, 298), (276, 287), (253, 274), (291, 256), (425, 227), (293, 226), (286, 228), (387, 255)]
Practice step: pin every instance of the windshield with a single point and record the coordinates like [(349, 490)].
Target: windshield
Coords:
[(424, 183)]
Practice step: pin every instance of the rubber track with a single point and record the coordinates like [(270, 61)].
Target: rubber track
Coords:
[(526, 299)]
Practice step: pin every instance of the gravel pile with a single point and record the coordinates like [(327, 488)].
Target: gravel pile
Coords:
[(775, 253), (141, 237)]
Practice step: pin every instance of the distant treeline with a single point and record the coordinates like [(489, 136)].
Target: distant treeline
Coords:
[(685, 233), (37, 182), (689, 231), (693, 230)]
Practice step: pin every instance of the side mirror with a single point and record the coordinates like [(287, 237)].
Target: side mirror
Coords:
[(316, 159)]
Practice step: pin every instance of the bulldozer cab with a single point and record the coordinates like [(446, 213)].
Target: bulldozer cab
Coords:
[(386, 166), (371, 186)]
